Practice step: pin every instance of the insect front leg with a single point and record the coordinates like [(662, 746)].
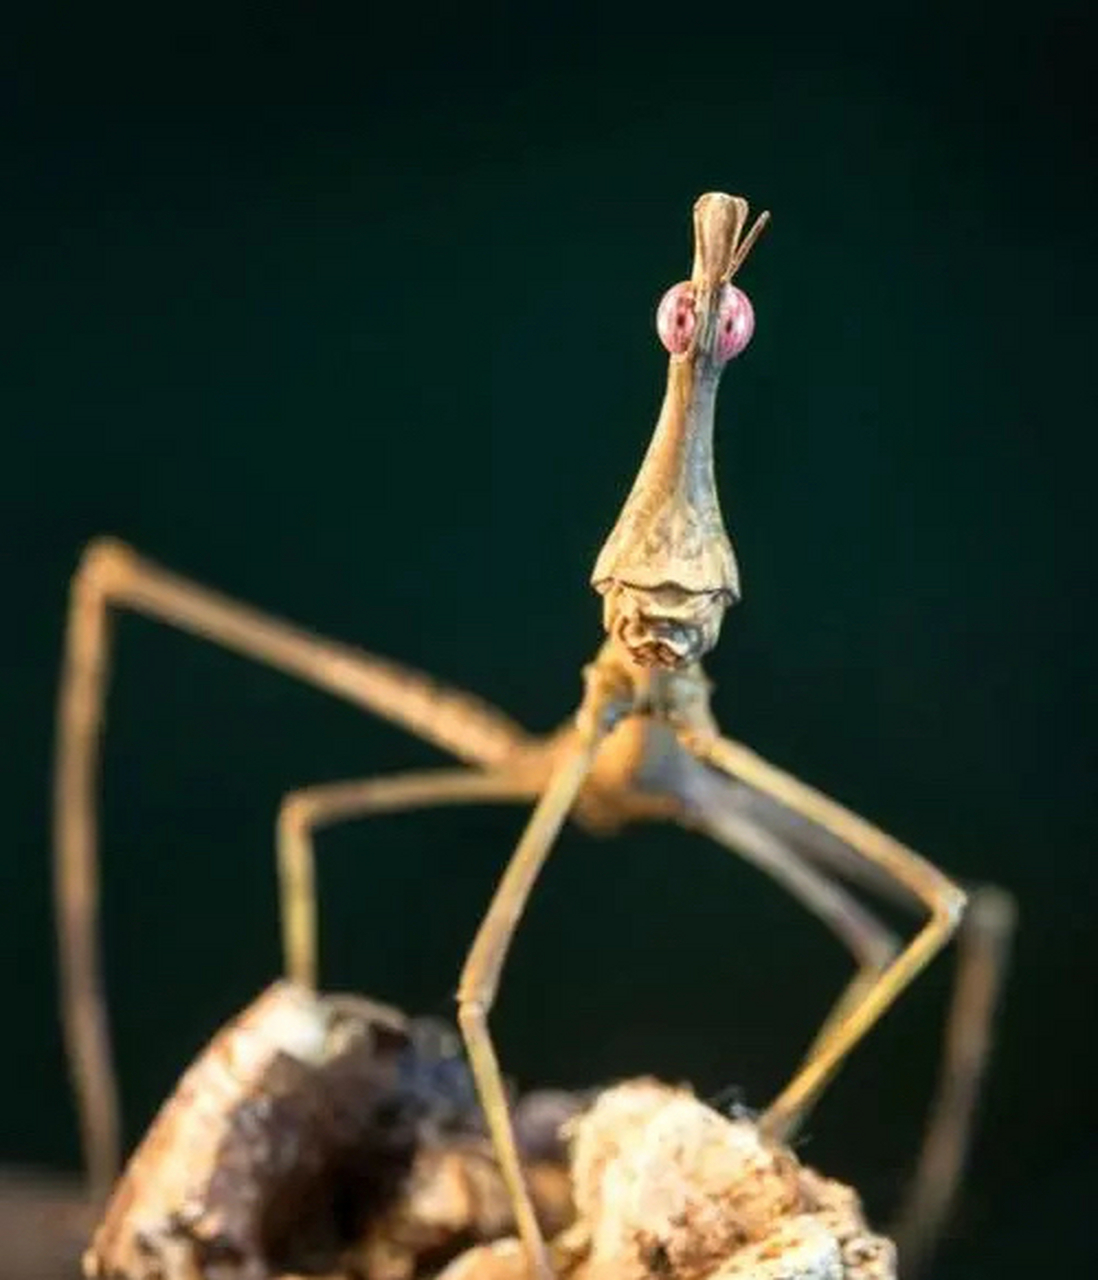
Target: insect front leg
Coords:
[(810, 862), (944, 900), (711, 800), (484, 965)]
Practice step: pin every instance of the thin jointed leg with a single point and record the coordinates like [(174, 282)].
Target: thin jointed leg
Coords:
[(944, 900), (480, 979), (303, 812), (712, 810), (111, 576), (983, 950), (983, 944)]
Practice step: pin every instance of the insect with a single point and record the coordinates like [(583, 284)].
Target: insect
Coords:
[(642, 745)]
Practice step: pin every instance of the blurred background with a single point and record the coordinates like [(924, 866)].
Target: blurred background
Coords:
[(353, 318)]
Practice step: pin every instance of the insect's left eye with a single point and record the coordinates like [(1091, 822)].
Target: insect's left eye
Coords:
[(735, 322), (677, 318)]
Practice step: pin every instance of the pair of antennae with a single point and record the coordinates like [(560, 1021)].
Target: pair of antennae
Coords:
[(720, 246)]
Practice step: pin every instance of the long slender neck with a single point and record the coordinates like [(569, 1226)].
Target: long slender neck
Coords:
[(670, 529), (679, 459)]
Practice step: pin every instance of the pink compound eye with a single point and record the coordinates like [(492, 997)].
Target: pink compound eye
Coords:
[(735, 322), (675, 319)]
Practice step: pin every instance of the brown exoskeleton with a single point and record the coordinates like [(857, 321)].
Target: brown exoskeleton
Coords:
[(642, 745)]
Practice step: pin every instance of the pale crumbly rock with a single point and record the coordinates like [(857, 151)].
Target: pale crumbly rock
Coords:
[(668, 1189)]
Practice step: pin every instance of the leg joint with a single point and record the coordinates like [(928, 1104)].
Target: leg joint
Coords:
[(950, 907), (294, 811), (472, 1011), (105, 564)]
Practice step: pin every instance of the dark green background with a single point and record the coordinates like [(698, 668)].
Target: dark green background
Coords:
[(387, 366)]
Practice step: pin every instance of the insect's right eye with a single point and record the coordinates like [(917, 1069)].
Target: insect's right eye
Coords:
[(676, 318)]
